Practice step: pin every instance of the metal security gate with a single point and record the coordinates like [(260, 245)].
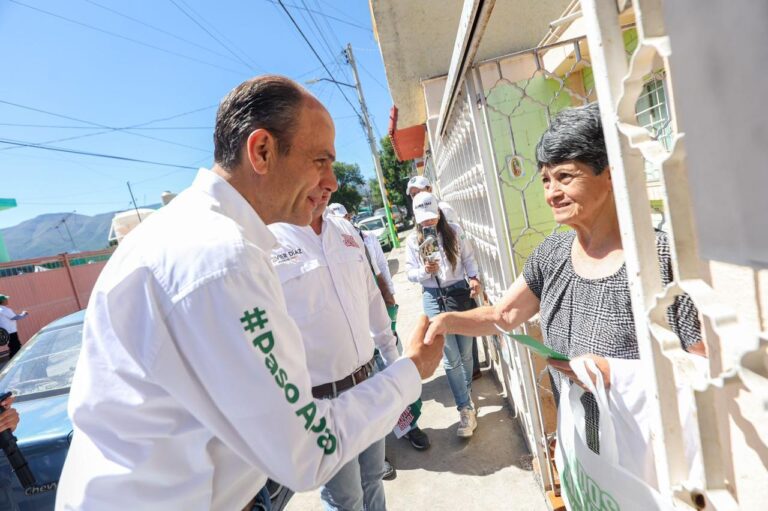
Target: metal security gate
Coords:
[(484, 164), (486, 168)]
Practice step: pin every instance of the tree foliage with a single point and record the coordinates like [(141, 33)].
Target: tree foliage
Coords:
[(396, 173), (349, 178)]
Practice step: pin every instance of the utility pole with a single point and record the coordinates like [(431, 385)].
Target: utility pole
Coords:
[(133, 200), (66, 227), (374, 149)]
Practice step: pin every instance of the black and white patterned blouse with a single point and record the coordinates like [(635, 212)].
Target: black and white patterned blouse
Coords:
[(581, 316)]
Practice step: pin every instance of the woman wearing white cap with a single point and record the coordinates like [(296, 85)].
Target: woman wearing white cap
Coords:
[(441, 260)]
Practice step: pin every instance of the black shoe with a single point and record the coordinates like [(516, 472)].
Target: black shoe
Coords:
[(419, 440), (389, 471), (477, 374)]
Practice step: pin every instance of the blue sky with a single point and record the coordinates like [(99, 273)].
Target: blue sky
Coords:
[(117, 64)]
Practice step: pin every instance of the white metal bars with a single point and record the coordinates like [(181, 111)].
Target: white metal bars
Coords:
[(731, 349), (467, 177)]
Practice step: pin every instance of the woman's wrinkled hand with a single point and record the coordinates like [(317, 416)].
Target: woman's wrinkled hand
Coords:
[(601, 362)]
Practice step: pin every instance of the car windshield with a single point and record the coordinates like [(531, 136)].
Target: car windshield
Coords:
[(372, 224), (45, 364)]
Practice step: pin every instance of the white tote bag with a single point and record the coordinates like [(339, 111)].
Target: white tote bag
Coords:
[(597, 482)]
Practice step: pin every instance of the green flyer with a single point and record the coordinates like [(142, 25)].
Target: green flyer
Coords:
[(538, 347)]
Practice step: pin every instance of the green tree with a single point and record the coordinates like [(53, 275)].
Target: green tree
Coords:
[(373, 186), (349, 178), (396, 173)]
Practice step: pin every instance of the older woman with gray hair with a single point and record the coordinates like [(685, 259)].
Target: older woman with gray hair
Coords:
[(576, 280)]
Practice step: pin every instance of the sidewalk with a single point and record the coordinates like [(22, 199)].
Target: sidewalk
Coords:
[(491, 471)]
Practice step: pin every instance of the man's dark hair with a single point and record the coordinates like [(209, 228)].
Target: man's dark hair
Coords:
[(269, 102), (574, 134)]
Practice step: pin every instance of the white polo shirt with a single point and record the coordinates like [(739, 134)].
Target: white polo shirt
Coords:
[(192, 385), (449, 212), (378, 259), (466, 265), (6, 319), (330, 293)]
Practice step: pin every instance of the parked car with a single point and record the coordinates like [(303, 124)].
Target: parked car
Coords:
[(378, 226), (399, 216), (40, 376)]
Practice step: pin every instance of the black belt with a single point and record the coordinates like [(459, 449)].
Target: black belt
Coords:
[(333, 389)]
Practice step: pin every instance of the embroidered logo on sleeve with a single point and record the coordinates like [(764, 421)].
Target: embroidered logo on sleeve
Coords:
[(350, 241), (254, 321)]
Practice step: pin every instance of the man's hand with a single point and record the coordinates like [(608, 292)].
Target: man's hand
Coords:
[(475, 287), (425, 356), (437, 328), (601, 362), (9, 419), (432, 267)]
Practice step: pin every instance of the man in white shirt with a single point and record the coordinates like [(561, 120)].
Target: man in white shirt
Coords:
[(418, 439), (8, 320), (330, 293), (418, 184), (192, 386)]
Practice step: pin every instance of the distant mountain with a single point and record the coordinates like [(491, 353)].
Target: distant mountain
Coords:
[(47, 235)]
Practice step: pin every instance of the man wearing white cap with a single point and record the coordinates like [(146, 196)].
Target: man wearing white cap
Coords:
[(419, 184), (331, 294)]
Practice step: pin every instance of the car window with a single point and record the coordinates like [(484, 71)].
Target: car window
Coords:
[(46, 363), (369, 225)]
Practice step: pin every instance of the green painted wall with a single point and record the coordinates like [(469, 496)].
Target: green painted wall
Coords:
[(518, 120), (519, 113)]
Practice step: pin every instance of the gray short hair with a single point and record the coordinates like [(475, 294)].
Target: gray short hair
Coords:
[(574, 134), (269, 102)]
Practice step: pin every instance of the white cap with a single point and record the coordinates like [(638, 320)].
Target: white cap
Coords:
[(337, 209), (425, 207), (418, 182)]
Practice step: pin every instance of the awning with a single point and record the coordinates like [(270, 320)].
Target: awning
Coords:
[(408, 143)]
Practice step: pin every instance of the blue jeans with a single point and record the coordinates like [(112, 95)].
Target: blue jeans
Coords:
[(262, 502), (457, 354), (358, 485)]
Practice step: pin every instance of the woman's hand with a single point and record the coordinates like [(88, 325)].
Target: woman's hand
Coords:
[(565, 367), (432, 267), (437, 327), (475, 287), (9, 419)]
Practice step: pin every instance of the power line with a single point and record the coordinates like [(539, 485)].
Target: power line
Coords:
[(319, 31), (238, 57), (70, 127), (221, 34), (158, 29), (368, 29), (20, 143), (301, 32), (109, 129), (336, 39), (126, 38), (373, 77)]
